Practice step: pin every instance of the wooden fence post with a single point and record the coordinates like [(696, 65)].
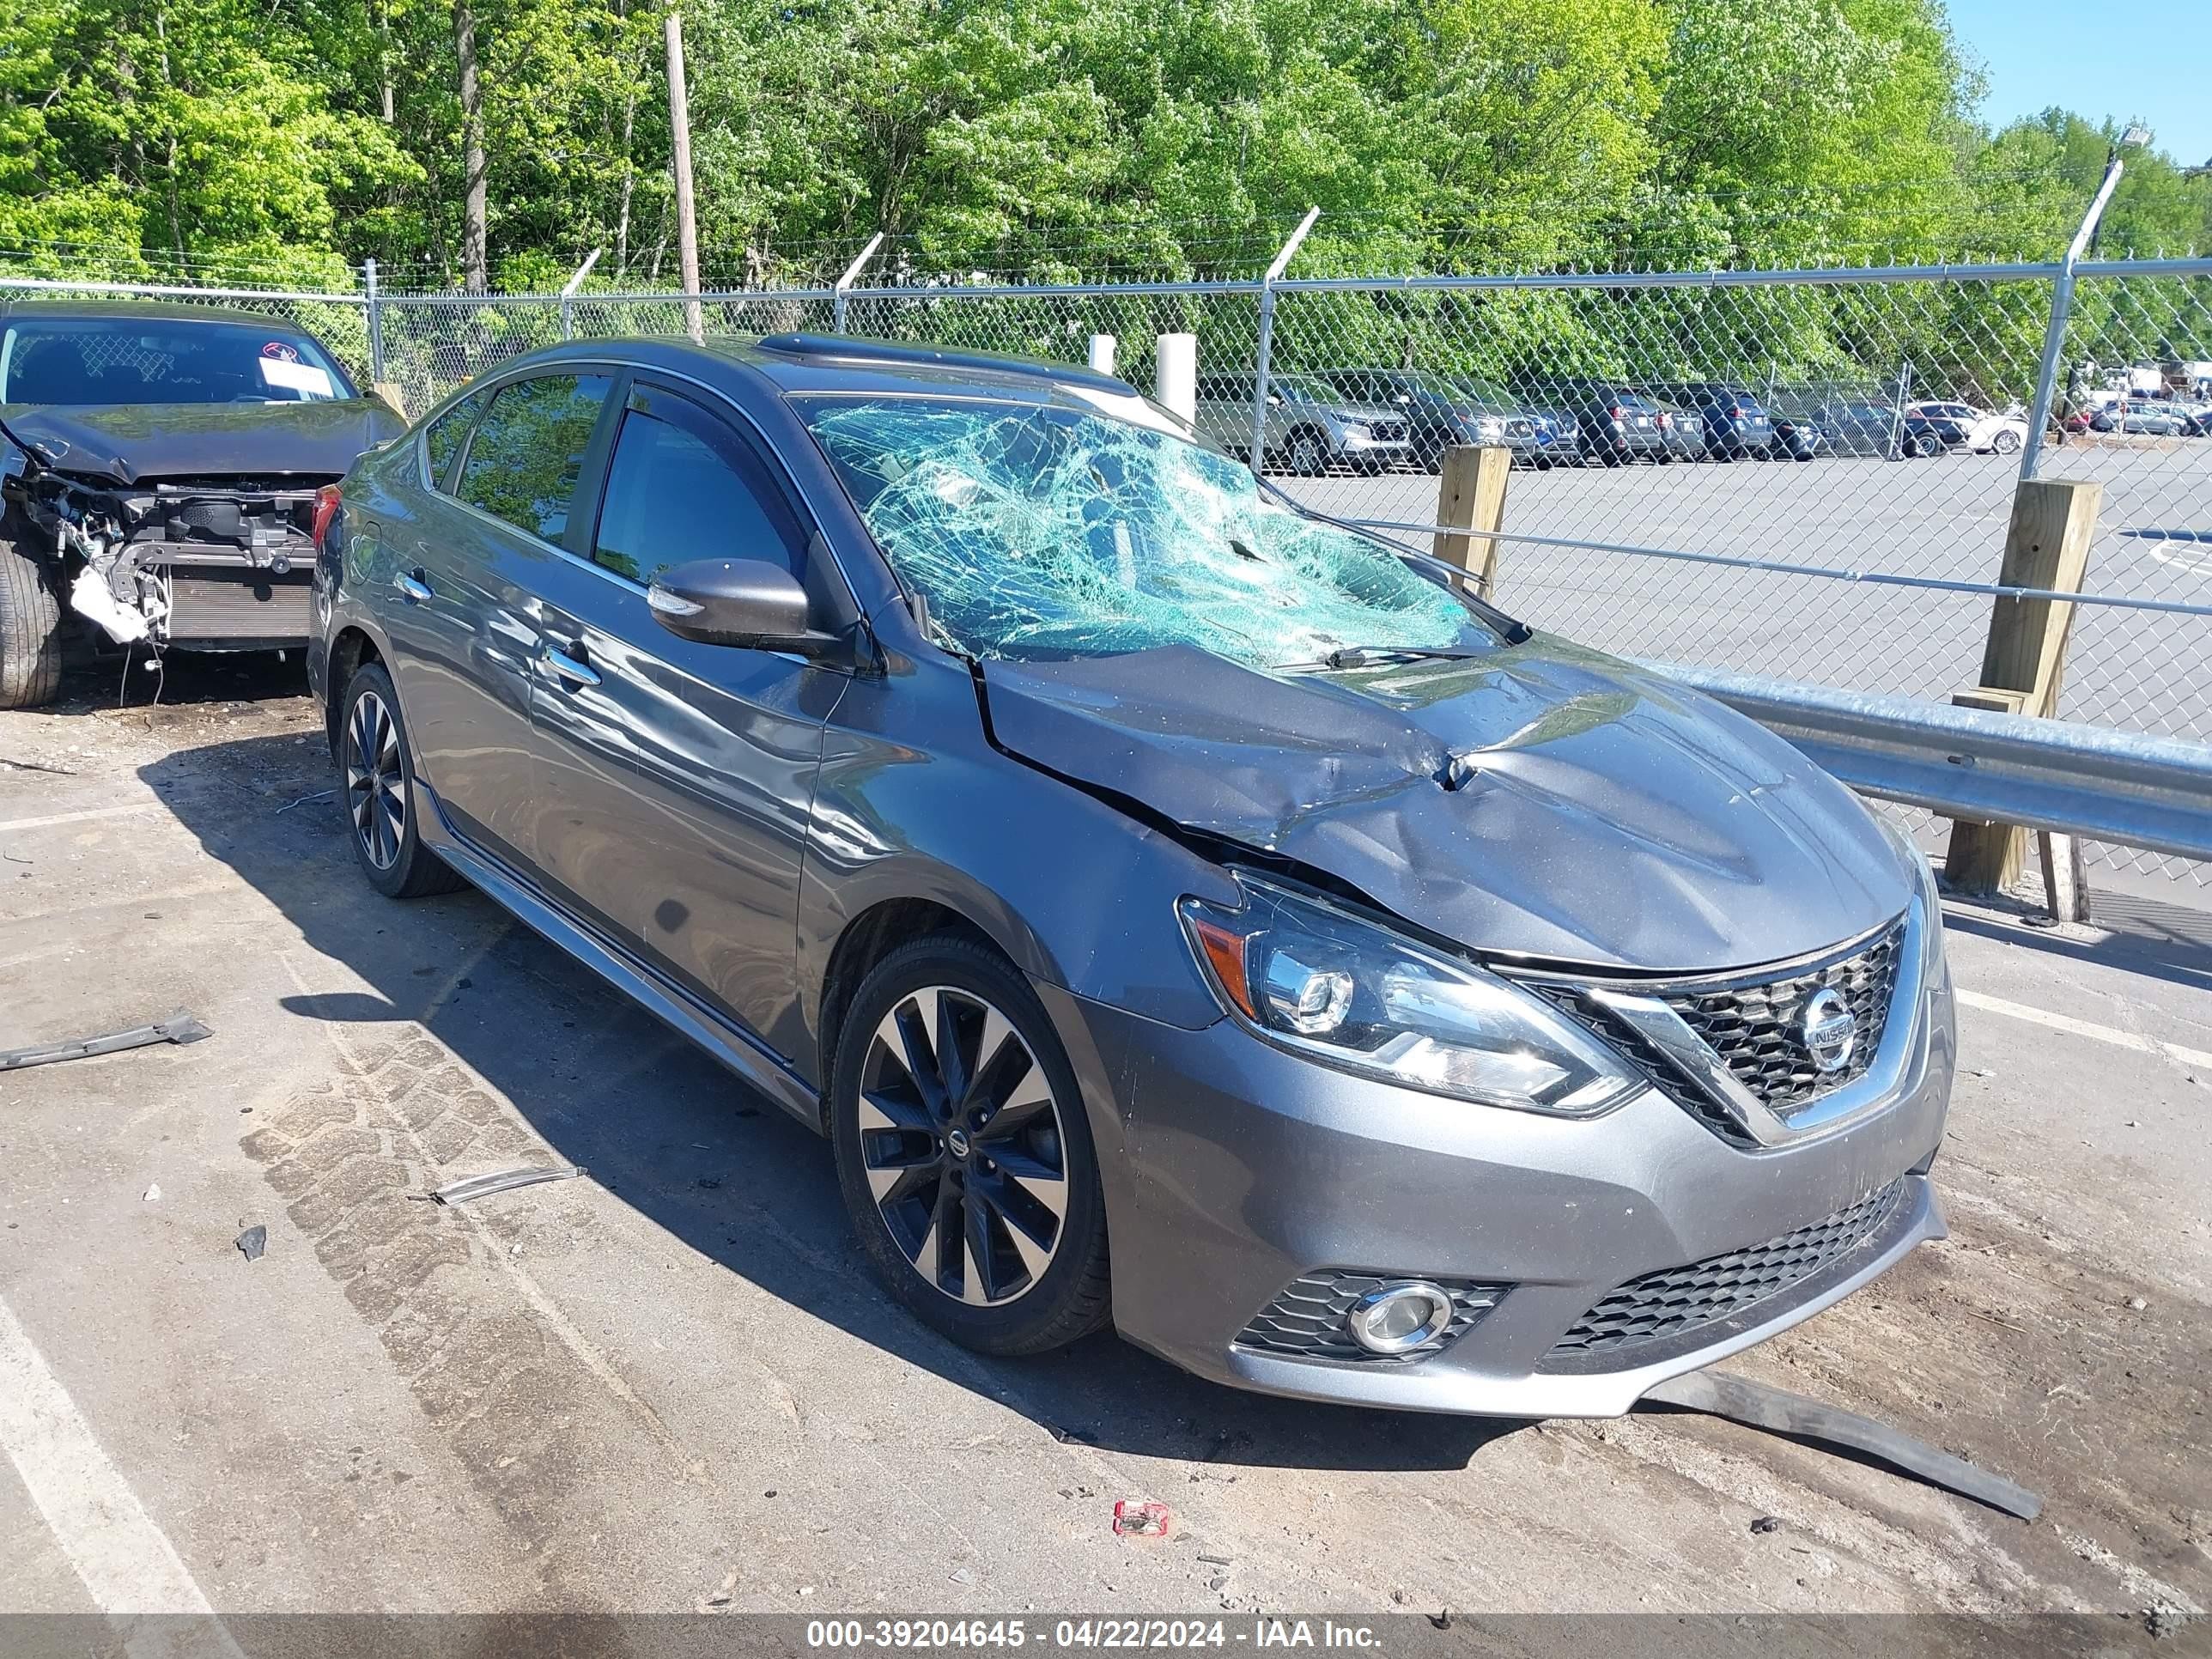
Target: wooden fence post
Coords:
[(1471, 493), (2047, 547)]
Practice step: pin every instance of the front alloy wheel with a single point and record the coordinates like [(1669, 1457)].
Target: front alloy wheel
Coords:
[(964, 1152), (961, 1139)]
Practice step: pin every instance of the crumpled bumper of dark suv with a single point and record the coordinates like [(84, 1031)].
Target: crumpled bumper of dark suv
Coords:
[(1587, 1260)]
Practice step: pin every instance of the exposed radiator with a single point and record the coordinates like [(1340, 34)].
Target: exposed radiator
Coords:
[(247, 607)]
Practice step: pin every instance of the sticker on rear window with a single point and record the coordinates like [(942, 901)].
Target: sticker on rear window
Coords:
[(295, 376)]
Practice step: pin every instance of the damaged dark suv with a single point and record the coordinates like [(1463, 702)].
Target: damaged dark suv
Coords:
[(1176, 909), (159, 465)]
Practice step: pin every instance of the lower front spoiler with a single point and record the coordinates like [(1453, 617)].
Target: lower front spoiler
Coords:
[(1436, 1386)]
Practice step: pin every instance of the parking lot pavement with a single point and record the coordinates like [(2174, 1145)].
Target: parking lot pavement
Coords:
[(670, 1384), (1943, 518)]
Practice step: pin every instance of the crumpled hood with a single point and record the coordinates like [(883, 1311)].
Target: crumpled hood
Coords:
[(1542, 801), (133, 442)]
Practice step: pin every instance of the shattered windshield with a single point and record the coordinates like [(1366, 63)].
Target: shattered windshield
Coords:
[(1037, 532)]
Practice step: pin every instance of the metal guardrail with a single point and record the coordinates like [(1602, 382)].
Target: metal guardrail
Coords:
[(2118, 787)]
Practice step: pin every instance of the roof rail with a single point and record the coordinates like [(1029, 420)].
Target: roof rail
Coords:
[(846, 349)]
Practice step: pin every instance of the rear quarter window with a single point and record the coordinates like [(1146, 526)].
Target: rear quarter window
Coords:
[(442, 438)]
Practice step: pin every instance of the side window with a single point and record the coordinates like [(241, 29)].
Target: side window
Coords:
[(682, 485), (441, 440), (528, 448)]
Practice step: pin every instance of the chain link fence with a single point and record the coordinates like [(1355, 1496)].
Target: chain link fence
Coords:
[(1801, 474)]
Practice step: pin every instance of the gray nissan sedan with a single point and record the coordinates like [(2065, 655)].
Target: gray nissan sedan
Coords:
[(1176, 909)]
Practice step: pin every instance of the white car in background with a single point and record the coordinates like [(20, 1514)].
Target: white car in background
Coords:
[(2004, 433)]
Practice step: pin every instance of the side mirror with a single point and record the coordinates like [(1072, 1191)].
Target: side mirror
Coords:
[(741, 602)]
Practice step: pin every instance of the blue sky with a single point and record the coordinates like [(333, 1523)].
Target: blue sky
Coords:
[(2151, 58)]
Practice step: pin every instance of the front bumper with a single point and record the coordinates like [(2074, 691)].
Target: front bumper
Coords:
[(1244, 1167)]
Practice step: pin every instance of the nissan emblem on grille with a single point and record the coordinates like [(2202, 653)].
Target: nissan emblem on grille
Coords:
[(1827, 1029)]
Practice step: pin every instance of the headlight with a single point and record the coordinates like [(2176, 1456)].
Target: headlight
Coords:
[(1320, 981), (1354, 429), (1489, 427)]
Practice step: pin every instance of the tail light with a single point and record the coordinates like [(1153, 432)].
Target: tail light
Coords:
[(1666, 423), (328, 500)]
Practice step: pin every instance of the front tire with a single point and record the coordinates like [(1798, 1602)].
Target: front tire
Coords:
[(1308, 455), (2006, 442), (964, 1154), (30, 633), (376, 773)]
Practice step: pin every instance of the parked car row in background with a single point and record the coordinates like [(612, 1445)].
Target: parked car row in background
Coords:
[(1381, 420), (2145, 416)]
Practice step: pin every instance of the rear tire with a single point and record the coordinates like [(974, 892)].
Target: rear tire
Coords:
[(30, 633), (376, 782), (938, 1148)]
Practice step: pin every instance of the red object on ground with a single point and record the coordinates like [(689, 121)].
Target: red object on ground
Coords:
[(1135, 1520)]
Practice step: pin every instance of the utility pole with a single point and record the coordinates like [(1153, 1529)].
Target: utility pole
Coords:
[(679, 135)]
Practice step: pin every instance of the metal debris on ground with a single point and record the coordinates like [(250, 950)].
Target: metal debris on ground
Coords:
[(322, 794), (251, 1242), (1133, 1519), (500, 1180), (177, 1027), (1766, 1524), (1754, 1404), (152, 1192)]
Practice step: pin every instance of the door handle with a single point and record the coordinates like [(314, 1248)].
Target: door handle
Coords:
[(574, 672), (413, 589)]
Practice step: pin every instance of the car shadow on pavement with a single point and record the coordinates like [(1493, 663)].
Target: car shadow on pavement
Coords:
[(2136, 933), (688, 1146)]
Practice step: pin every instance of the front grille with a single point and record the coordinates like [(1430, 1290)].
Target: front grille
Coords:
[(1753, 1025), (1753, 1028), (1676, 1300), (1307, 1320)]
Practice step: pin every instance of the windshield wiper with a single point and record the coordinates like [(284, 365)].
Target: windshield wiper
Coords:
[(1359, 656)]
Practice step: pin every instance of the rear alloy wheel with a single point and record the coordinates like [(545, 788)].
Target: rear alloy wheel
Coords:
[(964, 1154), (378, 777), (30, 633)]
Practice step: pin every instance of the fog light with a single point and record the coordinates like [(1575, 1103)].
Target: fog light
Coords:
[(1400, 1317)]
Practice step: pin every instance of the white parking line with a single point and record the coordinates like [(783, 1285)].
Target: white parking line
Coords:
[(85, 816), (127, 1563), (2083, 1028)]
